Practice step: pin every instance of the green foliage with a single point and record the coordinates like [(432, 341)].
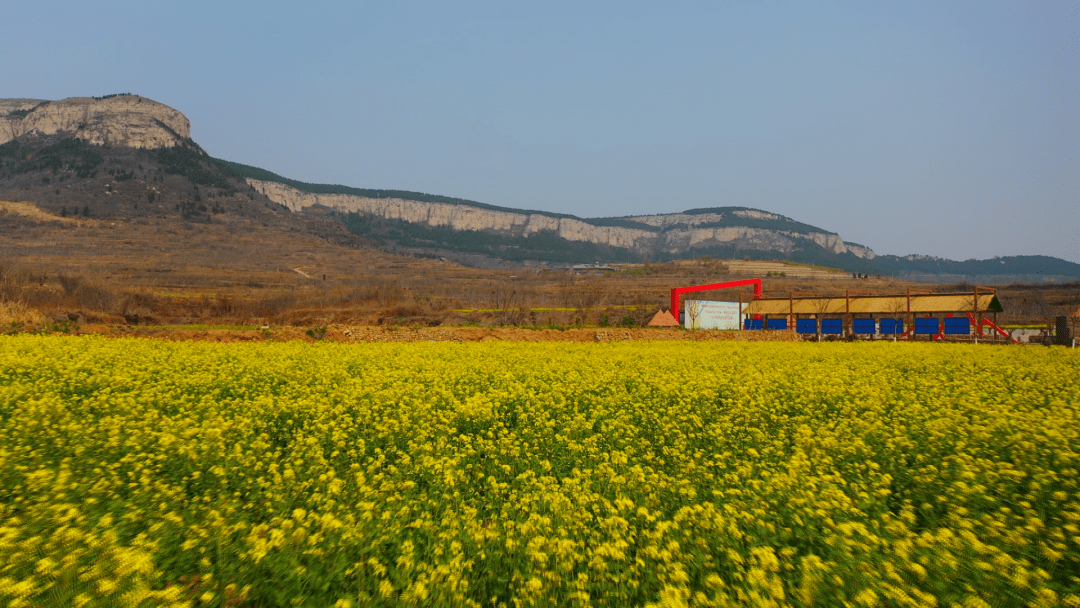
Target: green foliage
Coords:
[(21, 113), (66, 154), (58, 327), (191, 162), (195, 212)]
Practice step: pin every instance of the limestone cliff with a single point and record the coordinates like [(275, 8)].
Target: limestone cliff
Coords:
[(121, 120), (457, 217), (670, 233)]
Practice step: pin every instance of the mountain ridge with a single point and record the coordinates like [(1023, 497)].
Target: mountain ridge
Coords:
[(660, 239), (72, 150)]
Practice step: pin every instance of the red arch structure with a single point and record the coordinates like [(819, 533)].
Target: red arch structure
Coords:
[(678, 291)]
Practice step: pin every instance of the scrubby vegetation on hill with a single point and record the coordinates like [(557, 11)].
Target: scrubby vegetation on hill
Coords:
[(731, 219), (998, 266), (190, 161), (18, 158), (68, 177)]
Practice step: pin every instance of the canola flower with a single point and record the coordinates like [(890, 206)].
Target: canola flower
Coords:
[(144, 473)]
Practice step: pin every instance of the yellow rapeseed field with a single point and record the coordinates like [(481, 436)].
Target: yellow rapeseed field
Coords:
[(146, 473)]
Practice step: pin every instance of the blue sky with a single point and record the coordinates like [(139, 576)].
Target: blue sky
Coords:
[(940, 128)]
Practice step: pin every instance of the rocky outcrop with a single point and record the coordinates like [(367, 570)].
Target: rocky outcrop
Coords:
[(457, 217), (861, 251), (667, 220), (121, 120), (678, 232)]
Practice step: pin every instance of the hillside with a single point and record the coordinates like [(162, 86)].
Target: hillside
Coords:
[(445, 226), (128, 157), (422, 221)]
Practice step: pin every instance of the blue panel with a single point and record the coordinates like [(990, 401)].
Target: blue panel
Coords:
[(957, 326), (777, 323), (753, 324), (925, 326), (863, 326), (832, 326), (892, 326), (806, 326)]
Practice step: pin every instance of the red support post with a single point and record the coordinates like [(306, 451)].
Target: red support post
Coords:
[(994, 326)]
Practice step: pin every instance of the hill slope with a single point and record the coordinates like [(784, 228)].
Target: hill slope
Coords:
[(125, 156), (421, 222)]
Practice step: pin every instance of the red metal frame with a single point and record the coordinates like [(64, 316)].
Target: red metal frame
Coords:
[(978, 327), (678, 291)]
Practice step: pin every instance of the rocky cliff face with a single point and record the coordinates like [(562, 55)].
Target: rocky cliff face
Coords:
[(457, 217), (123, 120), (677, 232)]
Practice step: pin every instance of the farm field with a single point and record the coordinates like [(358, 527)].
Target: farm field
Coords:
[(154, 272), (143, 472)]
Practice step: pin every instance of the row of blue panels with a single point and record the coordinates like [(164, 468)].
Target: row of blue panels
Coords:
[(923, 326)]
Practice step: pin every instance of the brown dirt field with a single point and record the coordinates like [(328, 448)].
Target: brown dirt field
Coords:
[(243, 271), (368, 334)]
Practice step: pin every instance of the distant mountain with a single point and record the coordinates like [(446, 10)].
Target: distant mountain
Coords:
[(1006, 269), (128, 156), (418, 222)]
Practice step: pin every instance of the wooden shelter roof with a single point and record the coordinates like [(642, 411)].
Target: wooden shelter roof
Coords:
[(920, 303)]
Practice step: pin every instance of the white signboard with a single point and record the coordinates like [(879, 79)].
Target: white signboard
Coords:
[(703, 314)]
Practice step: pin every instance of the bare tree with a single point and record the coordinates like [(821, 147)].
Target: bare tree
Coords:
[(503, 299), (693, 309), (589, 295)]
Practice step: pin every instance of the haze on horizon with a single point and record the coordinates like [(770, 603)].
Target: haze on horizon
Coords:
[(937, 128)]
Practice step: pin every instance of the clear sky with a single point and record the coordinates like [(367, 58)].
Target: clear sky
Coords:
[(940, 128)]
